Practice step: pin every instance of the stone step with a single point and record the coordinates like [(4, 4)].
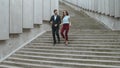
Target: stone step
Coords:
[(73, 51), (77, 56), (86, 34), (87, 37), (90, 32), (75, 38), (28, 65), (73, 45), (8, 66), (76, 49), (116, 38), (84, 40), (79, 42), (67, 59), (94, 30), (64, 61), (73, 48)]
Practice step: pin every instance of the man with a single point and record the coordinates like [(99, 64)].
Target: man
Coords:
[(55, 22)]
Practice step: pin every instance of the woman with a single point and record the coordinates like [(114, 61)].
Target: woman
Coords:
[(65, 26)]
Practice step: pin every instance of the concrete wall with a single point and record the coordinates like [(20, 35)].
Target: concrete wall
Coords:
[(4, 19), (49, 7), (21, 21), (38, 11), (46, 9), (28, 14), (15, 16), (105, 11)]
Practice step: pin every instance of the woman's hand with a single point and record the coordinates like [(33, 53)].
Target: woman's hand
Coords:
[(61, 24), (70, 25)]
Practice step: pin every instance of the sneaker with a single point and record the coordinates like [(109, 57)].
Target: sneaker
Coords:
[(58, 42)]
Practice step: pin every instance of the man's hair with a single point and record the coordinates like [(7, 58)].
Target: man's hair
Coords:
[(55, 10)]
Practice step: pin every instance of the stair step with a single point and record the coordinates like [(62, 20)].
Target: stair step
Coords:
[(73, 48), (77, 48), (28, 65), (73, 45), (78, 42), (91, 32), (50, 40), (86, 40), (8, 66), (84, 37), (71, 51), (68, 59), (23, 53), (62, 62), (86, 34), (117, 38)]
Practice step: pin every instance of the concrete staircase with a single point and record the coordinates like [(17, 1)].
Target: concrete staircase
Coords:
[(86, 49), (90, 46)]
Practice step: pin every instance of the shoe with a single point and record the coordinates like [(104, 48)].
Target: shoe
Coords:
[(58, 42), (66, 43), (54, 43)]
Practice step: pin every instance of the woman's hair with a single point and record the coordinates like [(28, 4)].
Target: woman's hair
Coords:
[(66, 13)]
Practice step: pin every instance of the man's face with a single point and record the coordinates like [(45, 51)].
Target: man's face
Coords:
[(56, 12)]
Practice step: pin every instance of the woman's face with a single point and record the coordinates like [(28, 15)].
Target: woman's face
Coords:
[(64, 12)]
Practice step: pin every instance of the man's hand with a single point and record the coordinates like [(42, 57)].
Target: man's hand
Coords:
[(51, 22), (55, 25)]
